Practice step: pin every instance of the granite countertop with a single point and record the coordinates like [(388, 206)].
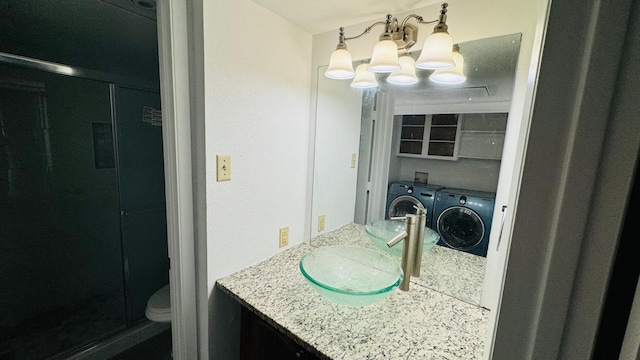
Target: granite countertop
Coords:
[(446, 270), (418, 324)]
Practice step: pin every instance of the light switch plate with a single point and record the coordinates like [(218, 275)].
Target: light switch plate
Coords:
[(223, 165), (353, 160)]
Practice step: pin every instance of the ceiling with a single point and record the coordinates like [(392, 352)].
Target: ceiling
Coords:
[(120, 35), (115, 36), (318, 16)]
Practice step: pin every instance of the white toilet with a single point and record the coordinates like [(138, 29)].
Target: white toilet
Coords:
[(159, 306)]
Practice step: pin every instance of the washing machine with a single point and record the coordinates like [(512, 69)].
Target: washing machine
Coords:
[(402, 196), (463, 219)]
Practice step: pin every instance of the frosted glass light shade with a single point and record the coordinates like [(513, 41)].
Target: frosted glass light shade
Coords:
[(340, 65), (406, 75), (451, 76), (385, 57), (364, 79), (436, 52)]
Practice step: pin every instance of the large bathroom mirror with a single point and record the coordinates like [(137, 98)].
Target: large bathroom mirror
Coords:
[(380, 152)]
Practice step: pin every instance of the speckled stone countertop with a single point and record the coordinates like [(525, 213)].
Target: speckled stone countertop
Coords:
[(418, 324), (449, 271)]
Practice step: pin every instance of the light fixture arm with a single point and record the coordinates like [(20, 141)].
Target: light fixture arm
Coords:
[(341, 40), (441, 20), (366, 31), (404, 35), (390, 27), (419, 20)]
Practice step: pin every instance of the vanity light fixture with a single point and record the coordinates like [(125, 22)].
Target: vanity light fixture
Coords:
[(407, 74), (340, 64), (436, 52), (451, 76), (364, 79)]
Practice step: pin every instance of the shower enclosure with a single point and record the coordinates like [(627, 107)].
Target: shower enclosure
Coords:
[(82, 208)]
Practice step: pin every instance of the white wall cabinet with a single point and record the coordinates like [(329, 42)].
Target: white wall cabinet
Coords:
[(482, 135), (429, 136), (452, 136)]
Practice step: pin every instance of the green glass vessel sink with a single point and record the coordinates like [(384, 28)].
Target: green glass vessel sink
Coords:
[(381, 231), (351, 275)]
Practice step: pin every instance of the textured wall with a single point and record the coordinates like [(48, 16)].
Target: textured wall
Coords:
[(257, 110), (257, 92)]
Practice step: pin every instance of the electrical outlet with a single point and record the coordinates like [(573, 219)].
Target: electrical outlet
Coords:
[(353, 160), (223, 165), (284, 236), (321, 223)]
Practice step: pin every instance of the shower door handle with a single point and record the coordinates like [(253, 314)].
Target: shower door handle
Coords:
[(504, 215)]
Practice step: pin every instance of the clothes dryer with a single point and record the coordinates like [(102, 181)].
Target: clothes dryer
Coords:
[(463, 219), (402, 196)]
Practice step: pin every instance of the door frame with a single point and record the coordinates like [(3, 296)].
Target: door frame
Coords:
[(173, 21), (574, 182)]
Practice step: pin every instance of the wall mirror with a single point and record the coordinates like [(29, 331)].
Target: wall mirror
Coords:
[(430, 144)]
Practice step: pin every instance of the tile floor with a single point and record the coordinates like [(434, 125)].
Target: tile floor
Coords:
[(60, 330)]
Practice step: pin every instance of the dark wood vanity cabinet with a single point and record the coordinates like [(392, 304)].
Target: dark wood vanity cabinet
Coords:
[(261, 341)]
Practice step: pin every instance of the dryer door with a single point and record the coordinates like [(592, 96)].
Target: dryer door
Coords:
[(460, 227), (403, 205)]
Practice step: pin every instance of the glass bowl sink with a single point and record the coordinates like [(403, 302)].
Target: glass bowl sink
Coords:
[(351, 275), (381, 231)]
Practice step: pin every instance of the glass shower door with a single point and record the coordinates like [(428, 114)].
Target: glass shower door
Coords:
[(61, 273), (142, 197)]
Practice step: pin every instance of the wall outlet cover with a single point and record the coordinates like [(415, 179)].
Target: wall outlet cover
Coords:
[(321, 220), (284, 236)]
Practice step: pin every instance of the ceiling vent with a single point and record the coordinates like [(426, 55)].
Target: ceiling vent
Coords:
[(444, 95)]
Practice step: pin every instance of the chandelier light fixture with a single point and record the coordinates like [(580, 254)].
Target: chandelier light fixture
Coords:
[(437, 53)]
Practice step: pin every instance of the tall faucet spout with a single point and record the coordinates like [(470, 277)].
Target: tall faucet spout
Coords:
[(413, 236), (396, 239), (421, 223), (408, 250)]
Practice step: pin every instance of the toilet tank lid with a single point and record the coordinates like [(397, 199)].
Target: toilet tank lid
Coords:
[(161, 299)]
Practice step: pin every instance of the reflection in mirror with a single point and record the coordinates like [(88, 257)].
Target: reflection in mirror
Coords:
[(381, 152)]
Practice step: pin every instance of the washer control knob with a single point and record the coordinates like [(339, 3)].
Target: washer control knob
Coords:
[(410, 190), (463, 200)]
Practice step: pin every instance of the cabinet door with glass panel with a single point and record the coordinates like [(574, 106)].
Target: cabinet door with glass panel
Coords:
[(429, 136), (482, 135)]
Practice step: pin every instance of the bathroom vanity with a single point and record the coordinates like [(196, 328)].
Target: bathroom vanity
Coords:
[(280, 307)]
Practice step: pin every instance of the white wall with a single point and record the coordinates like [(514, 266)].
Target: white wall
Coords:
[(451, 173), (257, 108), (256, 83)]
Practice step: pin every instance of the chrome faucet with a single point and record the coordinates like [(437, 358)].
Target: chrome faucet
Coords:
[(412, 235)]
